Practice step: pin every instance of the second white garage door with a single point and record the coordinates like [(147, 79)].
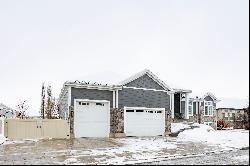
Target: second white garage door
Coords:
[(141, 121), (91, 118)]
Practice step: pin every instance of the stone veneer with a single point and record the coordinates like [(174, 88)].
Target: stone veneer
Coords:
[(116, 120)]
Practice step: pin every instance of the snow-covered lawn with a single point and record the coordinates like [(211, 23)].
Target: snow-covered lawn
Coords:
[(238, 138)]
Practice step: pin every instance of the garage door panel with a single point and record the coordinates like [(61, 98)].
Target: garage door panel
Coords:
[(146, 123), (92, 119)]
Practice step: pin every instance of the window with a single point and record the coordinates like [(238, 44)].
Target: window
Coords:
[(190, 108), (151, 111), (139, 110), (232, 116), (208, 108), (129, 110), (83, 103), (209, 123), (223, 115), (159, 112), (226, 115), (100, 104)]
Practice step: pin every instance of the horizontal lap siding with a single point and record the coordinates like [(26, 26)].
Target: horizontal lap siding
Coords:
[(142, 98), (91, 94)]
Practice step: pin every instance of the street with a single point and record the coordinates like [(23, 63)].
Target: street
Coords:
[(239, 157)]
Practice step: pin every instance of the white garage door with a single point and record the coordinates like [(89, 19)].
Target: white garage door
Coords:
[(142, 121), (92, 118)]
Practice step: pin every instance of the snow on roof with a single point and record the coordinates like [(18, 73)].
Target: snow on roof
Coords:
[(211, 95)]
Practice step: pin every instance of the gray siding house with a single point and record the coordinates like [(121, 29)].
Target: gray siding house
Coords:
[(142, 105)]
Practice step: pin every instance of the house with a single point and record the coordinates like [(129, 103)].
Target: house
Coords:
[(233, 117), (142, 105), (6, 112)]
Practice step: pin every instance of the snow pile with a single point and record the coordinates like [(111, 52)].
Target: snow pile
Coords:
[(175, 127), (222, 138), (2, 139)]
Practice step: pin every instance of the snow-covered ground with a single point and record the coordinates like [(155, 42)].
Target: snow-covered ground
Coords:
[(224, 138), (5, 141), (130, 150)]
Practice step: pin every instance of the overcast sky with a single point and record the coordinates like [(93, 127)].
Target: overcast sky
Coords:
[(202, 45)]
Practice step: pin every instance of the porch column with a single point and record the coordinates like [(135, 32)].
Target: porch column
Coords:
[(116, 101), (172, 105), (186, 106)]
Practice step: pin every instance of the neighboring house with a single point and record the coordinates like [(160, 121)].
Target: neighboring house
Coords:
[(6, 112), (142, 105), (233, 117), (203, 110)]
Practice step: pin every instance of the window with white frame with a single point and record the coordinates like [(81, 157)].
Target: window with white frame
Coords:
[(208, 108), (190, 108), (209, 123)]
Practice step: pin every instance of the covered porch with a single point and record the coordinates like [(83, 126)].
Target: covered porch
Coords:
[(180, 104)]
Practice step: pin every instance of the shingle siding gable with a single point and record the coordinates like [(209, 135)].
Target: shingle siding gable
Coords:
[(144, 82)]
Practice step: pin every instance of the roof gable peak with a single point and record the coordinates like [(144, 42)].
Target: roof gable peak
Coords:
[(150, 74)]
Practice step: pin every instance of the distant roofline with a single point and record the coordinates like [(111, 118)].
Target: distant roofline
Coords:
[(230, 108)]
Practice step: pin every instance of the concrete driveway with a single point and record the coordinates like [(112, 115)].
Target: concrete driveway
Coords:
[(98, 151)]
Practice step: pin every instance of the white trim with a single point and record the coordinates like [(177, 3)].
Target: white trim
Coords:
[(172, 105), (69, 101), (116, 100), (94, 87), (192, 107), (186, 106), (169, 92), (144, 108), (181, 90), (180, 103), (151, 75), (88, 100), (196, 107), (114, 96)]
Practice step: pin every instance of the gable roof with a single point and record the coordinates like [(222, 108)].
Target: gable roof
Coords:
[(211, 95), (150, 74)]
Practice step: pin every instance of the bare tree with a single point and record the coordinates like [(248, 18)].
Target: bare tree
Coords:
[(21, 109), (42, 111), (54, 106), (49, 104)]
